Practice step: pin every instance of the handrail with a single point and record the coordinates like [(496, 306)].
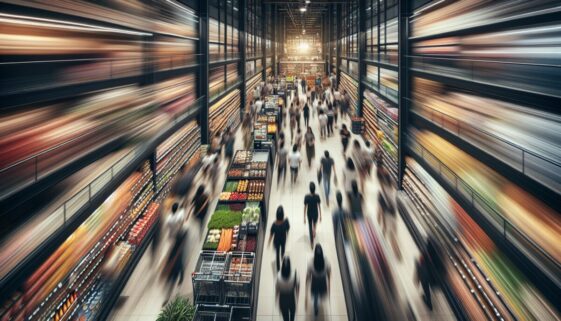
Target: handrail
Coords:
[(491, 135), (475, 196)]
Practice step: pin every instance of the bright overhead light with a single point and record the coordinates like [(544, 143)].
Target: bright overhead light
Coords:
[(308, 1), (303, 9)]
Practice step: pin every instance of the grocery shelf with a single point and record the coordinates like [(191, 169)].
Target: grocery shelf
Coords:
[(89, 198), (533, 171), (541, 267)]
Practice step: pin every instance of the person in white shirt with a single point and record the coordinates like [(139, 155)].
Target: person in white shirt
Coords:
[(258, 105), (287, 288), (175, 220), (315, 106), (322, 124), (294, 160)]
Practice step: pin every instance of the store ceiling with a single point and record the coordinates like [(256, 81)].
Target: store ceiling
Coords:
[(296, 21)]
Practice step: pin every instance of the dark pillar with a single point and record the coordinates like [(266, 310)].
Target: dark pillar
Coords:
[(361, 53), (242, 44), (404, 88), (203, 70), (264, 22), (338, 41)]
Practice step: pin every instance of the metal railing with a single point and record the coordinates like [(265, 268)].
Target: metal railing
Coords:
[(544, 170), (476, 201)]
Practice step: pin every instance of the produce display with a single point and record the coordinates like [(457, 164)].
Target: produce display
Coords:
[(255, 196), (212, 240), (242, 185), (258, 165), (256, 186), (250, 243), (251, 214), (231, 186), (235, 196), (237, 172), (247, 173), (243, 156), (240, 268), (224, 219), (224, 196), (226, 238)]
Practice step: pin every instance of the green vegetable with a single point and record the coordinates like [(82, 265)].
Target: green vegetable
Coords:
[(210, 246), (224, 219)]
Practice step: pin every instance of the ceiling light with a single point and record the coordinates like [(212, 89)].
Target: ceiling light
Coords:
[(308, 1), (303, 9)]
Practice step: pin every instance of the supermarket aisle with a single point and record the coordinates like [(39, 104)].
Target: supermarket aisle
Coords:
[(292, 199), (298, 248), (145, 292)]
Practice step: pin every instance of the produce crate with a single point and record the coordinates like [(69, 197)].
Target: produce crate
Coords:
[(238, 278), (207, 280)]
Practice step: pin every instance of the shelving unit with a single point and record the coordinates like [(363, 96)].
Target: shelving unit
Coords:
[(225, 112), (350, 85)]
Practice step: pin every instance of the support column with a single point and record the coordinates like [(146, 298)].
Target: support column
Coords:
[(203, 71), (274, 39), (264, 22), (404, 88), (338, 41), (242, 44), (361, 53)]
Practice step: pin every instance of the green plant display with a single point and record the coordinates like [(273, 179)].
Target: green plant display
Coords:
[(224, 219), (178, 309)]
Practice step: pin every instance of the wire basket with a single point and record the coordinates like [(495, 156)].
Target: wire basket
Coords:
[(238, 278), (207, 280)]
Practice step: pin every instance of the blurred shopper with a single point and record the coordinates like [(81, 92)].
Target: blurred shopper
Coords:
[(182, 186), (258, 106), (292, 113), (327, 166), (298, 114), (287, 289), (310, 140), (345, 137), (214, 175), (306, 112), (387, 210), (339, 212), (322, 124), (318, 277), (207, 162), (315, 106), (360, 162), (282, 159), (312, 210), (298, 139), (174, 267), (330, 117), (356, 201), (279, 233), (156, 238), (430, 269), (368, 157), (350, 174), (200, 204), (294, 160), (215, 144), (229, 145), (175, 220)]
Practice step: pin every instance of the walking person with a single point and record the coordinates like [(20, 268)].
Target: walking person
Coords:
[(294, 160), (229, 146), (279, 233), (368, 157), (287, 290), (345, 137), (330, 117), (306, 112), (298, 139), (174, 268), (175, 220), (318, 277), (356, 201), (310, 140), (350, 174), (215, 144), (327, 166), (200, 204), (292, 115), (282, 159), (322, 124), (312, 211)]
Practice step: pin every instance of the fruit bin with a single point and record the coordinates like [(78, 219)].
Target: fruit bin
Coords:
[(208, 276), (238, 278)]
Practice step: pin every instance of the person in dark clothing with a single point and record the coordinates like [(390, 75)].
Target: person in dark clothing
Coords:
[(229, 146), (356, 200), (345, 137), (339, 213), (330, 118), (200, 205), (183, 185), (319, 277), (306, 112), (287, 289), (282, 160), (327, 166), (430, 269), (298, 112), (279, 232), (312, 210), (157, 237), (310, 140), (175, 264)]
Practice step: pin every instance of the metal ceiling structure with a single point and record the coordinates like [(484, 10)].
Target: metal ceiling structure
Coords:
[(297, 21)]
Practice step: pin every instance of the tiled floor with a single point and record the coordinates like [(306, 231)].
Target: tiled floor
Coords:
[(145, 293)]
